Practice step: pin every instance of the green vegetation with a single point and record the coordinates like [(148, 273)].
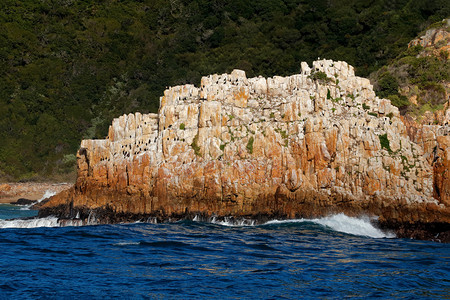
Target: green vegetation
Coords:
[(373, 114), (195, 146), (416, 73), (365, 106), (384, 141), (399, 100), (67, 68), (182, 126), (320, 76), (406, 165), (250, 145), (272, 115), (283, 133), (222, 147), (328, 94), (284, 136)]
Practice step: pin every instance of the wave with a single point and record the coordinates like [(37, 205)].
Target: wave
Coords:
[(126, 243), (356, 226), (230, 221), (42, 222), (342, 223), (30, 223), (47, 194)]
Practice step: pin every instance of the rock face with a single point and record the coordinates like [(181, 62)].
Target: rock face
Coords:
[(435, 43), (12, 192), (306, 145), (437, 38)]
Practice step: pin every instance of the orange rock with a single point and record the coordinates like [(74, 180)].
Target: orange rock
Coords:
[(238, 146)]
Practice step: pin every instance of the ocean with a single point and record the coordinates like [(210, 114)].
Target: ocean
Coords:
[(331, 258)]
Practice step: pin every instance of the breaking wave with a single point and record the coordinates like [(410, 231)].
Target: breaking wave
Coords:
[(42, 222), (30, 223), (47, 194), (356, 226), (342, 223)]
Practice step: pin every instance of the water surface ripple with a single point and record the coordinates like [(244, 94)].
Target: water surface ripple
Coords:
[(202, 260)]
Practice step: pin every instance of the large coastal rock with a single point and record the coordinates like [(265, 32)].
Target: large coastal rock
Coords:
[(306, 145)]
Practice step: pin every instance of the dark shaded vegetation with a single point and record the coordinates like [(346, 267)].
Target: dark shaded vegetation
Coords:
[(384, 141), (321, 77), (417, 73), (424, 76), (68, 67)]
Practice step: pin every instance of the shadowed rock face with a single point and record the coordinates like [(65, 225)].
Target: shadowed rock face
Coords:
[(298, 146)]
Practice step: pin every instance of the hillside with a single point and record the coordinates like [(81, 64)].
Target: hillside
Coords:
[(418, 80), (67, 68)]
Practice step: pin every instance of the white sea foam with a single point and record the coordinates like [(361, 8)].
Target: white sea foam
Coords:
[(126, 243), (342, 223), (42, 222), (233, 222), (47, 194), (30, 223)]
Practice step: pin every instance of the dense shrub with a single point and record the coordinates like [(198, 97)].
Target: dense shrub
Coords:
[(68, 67)]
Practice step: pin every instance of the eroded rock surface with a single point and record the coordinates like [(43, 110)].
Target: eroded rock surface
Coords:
[(299, 146)]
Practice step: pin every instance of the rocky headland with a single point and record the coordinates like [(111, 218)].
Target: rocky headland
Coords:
[(24, 193), (308, 145)]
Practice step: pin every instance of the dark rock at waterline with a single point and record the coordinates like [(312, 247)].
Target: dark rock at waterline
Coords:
[(432, 231), (24, 201), (37, 205)]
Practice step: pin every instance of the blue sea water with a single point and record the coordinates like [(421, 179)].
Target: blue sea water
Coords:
[(332, 258)]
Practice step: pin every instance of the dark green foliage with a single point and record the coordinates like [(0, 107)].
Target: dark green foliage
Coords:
[(373, 114), (321, 77), (250, 145), (365, 106), (182, 126), (388, 85), (328, 94), (398, 100), (384, 141), (67, 68), (416, 73)]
